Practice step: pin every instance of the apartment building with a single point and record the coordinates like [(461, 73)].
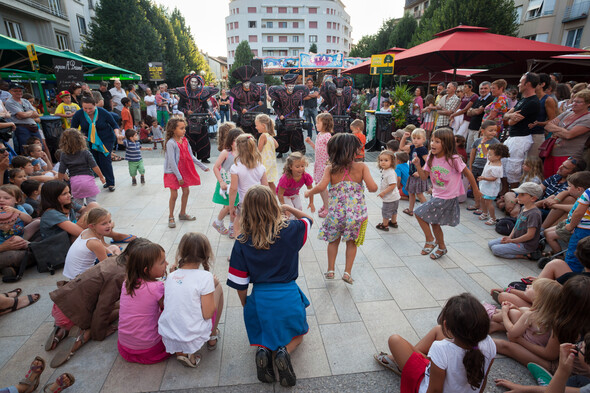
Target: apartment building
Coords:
[(416, 8), (58, 24), (288, 28)]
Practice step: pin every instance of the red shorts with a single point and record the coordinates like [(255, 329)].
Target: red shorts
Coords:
[(60, 319), (413, 373)]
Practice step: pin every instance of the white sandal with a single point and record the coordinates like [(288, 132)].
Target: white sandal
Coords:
[(188, 360)]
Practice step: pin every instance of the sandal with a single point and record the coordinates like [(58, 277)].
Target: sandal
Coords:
[(491, 221), (472, 208), (393, 224), (67, 349), (33, 381), (382, 227), (186, 217), (112, 188), (115, 157), (383, 359), (484, 217), (494, 293), (191, 360), (54, 339), (128, 239), (428, 248), (323, 214), (16, 292), (347, 279), (211, 338), (171, 222), (61, 383), (438, 254), (477, 212), (408, 212), (329, 275), (30, 298)]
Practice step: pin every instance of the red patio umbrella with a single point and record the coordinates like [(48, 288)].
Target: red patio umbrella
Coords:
[(462, 75), (471, 46)]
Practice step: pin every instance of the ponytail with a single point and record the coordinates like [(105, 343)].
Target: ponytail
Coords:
[(474, 362)]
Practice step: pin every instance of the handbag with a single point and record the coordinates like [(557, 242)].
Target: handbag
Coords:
[(50, 253), (546, 147)]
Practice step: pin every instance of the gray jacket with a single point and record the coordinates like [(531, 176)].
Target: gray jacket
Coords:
[(172, 157)]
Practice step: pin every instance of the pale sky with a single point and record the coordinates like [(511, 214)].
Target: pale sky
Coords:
[(207, 19)]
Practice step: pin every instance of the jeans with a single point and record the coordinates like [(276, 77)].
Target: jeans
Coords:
[(224, 116), (20, 136), (570, 257), (106, 166), (309, 114), (508, 250)]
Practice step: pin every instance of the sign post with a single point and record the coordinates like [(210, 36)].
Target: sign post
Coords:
[(35, 66), (382, 65)]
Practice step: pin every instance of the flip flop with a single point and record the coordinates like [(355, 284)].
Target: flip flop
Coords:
[(61, 384), (128, 239), (65, 352), (186, 360), (16, 291), (408, 212), (33, 382), (214, 337), (383, 359), (53, 340)]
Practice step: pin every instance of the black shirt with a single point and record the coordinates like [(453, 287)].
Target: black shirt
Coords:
[(312, 102), (107, 97), (529, 108), (475, 122)]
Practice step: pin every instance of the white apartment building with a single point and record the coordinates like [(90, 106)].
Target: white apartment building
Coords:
[(278, 28)]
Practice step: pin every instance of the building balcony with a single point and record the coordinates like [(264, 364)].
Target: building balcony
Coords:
[(576, 11), (51, 7)]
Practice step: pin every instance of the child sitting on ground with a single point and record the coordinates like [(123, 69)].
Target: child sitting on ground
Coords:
[(524, 238), (579, 226), (32, 191), (532, 170), (389, 192), (133, 150), (144, 132)]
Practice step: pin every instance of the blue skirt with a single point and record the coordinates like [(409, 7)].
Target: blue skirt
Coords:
[(274, 314)]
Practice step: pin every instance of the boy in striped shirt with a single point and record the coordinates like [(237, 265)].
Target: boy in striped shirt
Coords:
[(133, 150)]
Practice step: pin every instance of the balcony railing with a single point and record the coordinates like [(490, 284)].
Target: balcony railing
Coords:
[(45, 8), (576, 11)]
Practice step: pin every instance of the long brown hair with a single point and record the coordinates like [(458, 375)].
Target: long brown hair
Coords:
[(261, 219), (139, 263), (449, 147), (224, 129), (194, 247), (572, 320), (171, 127), (342, 148)]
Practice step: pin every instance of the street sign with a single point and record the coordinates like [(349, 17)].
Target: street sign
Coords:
[(382, 64), (33, 57)]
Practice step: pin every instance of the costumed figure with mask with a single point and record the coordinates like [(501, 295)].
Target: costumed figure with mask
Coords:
[(246, 95), (288, 100), (193, 103), (337, 95)]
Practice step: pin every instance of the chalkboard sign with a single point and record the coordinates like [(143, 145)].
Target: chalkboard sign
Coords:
[(156, 71), (67, 72)]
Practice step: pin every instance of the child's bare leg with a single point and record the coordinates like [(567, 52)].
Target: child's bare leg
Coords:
[(324, 196), (184, 200), (222, 213), (172, 202), (394, 218), (551, 237), (483, 206), (332, 252), (490, 208), (412, 200), (439, 236), (554, 269), (421, 197), (218, 295), (401, 349), (520, 353), (272, 187), (294, 344), (237, 225), (350, 255), (514, 299), (426, 229)]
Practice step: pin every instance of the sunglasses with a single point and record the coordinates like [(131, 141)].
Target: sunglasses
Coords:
[(573, 160), (579, 346), (3, 150)]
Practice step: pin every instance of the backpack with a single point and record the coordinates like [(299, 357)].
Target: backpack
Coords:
[(505, 225)]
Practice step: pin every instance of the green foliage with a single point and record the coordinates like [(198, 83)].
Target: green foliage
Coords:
[(401, 99), (313, 48), (401, 35), (271, 80), (365, 47), (360, 106), (243, 57)]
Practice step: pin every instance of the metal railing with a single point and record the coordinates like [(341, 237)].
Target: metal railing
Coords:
[(45, 8), (576, 11)]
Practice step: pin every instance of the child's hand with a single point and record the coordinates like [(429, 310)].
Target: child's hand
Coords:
[(569, 227), (477, 194), (415, 174), (215, 280), (308, 140), (479, 178), (10, 209), (102, 179), (232, 213), (407, 135), (206, 170), (311, 207), (223, 185), (306, 194), (181, 182), (416, 162), (567, 354), (506, 240), (381, 195)]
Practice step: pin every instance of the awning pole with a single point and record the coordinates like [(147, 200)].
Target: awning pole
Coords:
[(42, 93)]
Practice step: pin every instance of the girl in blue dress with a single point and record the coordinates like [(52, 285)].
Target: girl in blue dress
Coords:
[(266, 254)]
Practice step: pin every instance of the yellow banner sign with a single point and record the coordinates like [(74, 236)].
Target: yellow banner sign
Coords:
[(382, 64), (33, 57)]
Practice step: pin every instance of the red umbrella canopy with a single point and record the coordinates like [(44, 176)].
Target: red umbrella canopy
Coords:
[(462, 75), (471, 46)]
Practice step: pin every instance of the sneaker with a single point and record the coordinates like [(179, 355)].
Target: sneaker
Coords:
[(133, 181), (142, 178), (264, 369), (171, 223), (283, 362), (542, 376), (220, 228)]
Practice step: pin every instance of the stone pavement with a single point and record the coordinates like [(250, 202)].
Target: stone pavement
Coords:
[(396, 290)]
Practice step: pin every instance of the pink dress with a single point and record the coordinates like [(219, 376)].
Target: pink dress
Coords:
[(186, 167), (321, 155)]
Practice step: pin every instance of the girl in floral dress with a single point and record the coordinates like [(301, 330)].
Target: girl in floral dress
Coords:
[(325, 126), (347, 210)]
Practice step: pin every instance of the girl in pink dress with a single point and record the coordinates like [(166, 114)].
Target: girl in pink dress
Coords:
[(325, 127), (179, 168)]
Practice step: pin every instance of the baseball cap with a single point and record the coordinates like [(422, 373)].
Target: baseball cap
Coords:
[(16, 86), (398, 134), (530, 188)]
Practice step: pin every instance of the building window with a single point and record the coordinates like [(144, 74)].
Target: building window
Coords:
[(329, 24), (62, 41), (270, 53), (295, 25), (313, 25), (543, 37), (282, 38), (534, 9), (282, 25), (573, 37), (81, 25), (251, 10), (295, 10), (269, 10), (295, 38), (313, 38), (282, 53), (313, 10), (282, 10), (294, 52), (13, 29), (237, 39), (252, 38), (236, 25), (252, 24), (269, 25), (329, 39), (269, 38), (518, 14)]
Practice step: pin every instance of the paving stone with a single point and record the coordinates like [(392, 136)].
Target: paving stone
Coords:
[(434, 278), (406, 289)]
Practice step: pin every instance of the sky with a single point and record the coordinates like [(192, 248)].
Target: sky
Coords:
[(207, 19)]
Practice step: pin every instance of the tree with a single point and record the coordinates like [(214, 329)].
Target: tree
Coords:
[(243, 57), (365, 47), (404, 30), (499, 17), (313, 48)]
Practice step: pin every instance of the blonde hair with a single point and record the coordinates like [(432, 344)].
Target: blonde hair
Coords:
[(546, 303), (358, 124), (327, 122), (267, 122), (293, 157), (419, 132), (261, 218), (248, 153), (94, 215), (224, 129), (536, 170), (194, 247), (72, 141), (391, 155)]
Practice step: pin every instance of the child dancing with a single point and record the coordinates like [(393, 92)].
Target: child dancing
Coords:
[(293, 179), (325, 127)]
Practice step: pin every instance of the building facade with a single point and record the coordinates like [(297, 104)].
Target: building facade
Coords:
[(57, 24), (287, 29), (218, 66), (416, 8)]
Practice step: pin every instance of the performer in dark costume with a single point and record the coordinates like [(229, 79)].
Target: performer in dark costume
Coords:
[(246, 97), (193, 103), (337, 95), (288, 100)]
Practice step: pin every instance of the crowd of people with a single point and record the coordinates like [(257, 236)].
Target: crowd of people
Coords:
[(524, 155)]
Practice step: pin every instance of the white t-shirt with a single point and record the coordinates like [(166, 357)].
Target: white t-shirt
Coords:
[(181, 324), (151, 109), (449, 357), (246, 177), (491, 188), (117, 95), (389, 177)]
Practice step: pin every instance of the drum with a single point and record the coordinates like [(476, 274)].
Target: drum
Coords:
[(197, 123), (293, 124), (248, 119), (341, 123)]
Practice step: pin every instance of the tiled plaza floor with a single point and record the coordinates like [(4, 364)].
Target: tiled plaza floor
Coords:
[(396, 291)]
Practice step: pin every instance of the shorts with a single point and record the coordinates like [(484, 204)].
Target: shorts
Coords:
[(563, 233), (490, 197), (389, 209), (136, 166), (413, 373)]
